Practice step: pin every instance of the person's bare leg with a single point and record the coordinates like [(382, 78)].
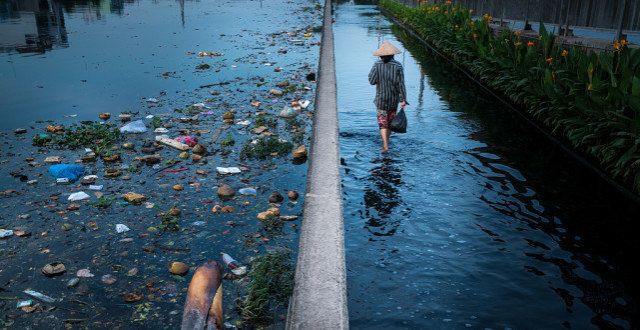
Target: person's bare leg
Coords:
[(384, 133), (388, 137)]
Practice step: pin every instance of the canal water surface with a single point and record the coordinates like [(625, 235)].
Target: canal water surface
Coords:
[(65, 61), (472, 219)]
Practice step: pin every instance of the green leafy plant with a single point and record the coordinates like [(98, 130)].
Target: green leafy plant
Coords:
[(270, 286), (99, 137), (590, 99), (104, 202), (228, 141), (264, 148)]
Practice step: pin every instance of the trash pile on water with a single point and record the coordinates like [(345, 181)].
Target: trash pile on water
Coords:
[(107, 218)]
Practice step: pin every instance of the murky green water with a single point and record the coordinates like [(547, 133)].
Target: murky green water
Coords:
[(67, 61), (472, 220)]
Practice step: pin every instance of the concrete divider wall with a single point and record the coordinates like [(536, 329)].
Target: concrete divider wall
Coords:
[(319, 298)]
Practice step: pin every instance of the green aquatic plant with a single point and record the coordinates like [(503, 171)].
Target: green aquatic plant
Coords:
[(264, 148), (228, 141), (104, 202), (99, 137), (290, 88), (263, 120), (40, 140), (156, 122), (271, 282)]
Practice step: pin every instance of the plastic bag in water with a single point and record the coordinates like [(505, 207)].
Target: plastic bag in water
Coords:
[(78, 196), (66, 171), (137, 126), (399, 123), (288, 112)]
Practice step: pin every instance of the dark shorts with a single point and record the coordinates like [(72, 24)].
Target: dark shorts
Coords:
[(385, 117)]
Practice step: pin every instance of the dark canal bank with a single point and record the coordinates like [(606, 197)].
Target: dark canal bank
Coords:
[(473, 219)]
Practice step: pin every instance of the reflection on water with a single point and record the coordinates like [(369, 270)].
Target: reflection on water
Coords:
[(36, 26), (31, 26), (473, 220), (381, 196)]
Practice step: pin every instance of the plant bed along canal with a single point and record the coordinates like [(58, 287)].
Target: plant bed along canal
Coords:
[(111, 249), (473, 219)]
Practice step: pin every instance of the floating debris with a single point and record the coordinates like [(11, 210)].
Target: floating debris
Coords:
[(39, 296)]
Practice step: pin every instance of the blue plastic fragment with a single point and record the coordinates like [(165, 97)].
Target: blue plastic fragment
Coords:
[(69, 171)]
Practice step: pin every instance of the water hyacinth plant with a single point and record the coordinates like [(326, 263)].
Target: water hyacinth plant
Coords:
[(591, 99)]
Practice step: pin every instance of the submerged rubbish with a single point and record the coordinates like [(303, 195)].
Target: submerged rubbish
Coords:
[(178, 268), (248, 191), (54, 269), (40, 296), (85, 272), (228, 170), (225, 191), (293, 195), (233, 265), (24, 303), (134, 198), (187, 139), (304, 104), (73, 282), (6, 233), (137, 126), (202, 54), (122, 228), (300, 152), (71, 172), (80, 195), (288, 112), (172, 143)]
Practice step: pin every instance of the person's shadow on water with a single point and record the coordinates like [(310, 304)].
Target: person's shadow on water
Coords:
[(381, 196)]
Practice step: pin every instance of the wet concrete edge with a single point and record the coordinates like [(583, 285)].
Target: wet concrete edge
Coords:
[(565, 146), (319, 299)]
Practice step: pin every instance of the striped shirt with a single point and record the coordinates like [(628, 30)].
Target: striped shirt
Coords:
[(389, 81)]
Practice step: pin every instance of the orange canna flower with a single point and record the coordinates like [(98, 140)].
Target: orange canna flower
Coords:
[(616, 45), (530, 44), (517, 33), (564, 53), (623, 42)]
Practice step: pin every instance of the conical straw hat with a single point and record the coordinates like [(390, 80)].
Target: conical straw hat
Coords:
[(386, 49)]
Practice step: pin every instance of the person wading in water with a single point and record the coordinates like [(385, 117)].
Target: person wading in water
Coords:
[(388, 76)]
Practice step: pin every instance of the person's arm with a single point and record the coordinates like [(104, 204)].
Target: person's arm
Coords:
[(402, 88), (373, 75)]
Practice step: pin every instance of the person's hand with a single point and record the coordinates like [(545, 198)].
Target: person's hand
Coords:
[(403, 104)]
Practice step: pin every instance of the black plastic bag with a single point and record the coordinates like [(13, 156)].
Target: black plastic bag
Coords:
[(399, 123)]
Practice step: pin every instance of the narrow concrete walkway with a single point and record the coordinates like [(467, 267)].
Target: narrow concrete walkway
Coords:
[(319, 299)]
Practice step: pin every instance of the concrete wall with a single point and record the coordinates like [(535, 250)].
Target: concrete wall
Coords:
[(319, 298)]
